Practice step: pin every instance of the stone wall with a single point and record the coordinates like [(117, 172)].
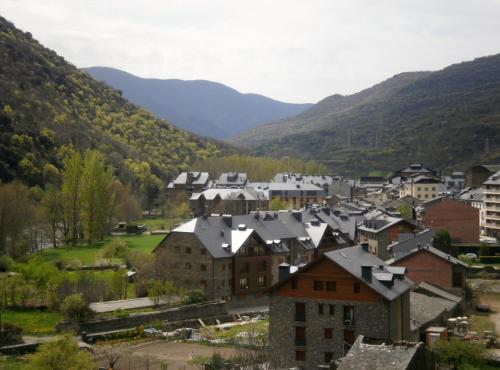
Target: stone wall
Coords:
[(371, 320), (195, 311)]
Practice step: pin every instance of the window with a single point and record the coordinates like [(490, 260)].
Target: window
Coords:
[(177, 248), (320, 308), (433, 188), (332, 309), (223, 283), (187, 266), (261, 281), (294, 282), (188, 250), (328, 357), (262, 266), (203, 267), (331, 286), (300, 311), (203, 251), (318, 285), (356, 287), (328, 333), (244, 283), (229, 266), (426, 195), (245, 267), (230, 282), (300, 336), (300, 355), (203, 284), (348, 315), (223, 267)]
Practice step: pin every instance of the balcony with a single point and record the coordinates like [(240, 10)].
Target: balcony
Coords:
[(492, 226), (300, 342), (493, 217), (492, 191)]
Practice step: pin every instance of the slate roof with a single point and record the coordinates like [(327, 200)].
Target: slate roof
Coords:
[(425, 309), (470, 195), (293, 188), (232, 178), (409, 242), (430, 249), (366, 356), (320, 180), (432, 290), (230, 194), (222, 240), (493, 179), (199, 178), (377, 221), (352, 258)]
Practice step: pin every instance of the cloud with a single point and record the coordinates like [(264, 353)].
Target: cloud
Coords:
[(292, 50)]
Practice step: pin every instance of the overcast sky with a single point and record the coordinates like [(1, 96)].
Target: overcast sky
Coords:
[(296, 51)]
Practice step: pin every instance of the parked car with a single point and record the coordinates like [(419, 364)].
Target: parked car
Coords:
[(472, 256)]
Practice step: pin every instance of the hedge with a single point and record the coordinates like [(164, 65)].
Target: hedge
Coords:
[(489, 259)]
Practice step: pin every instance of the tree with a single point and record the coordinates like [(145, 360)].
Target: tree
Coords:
[(62, 354), (406, 212), (52, 209), (16, 217), (125, 207), (95, 196), (116, 249), (112, 353), (442, 240), (71, 189), (458, 353), (276, 204), (183, 210), (74, 308)]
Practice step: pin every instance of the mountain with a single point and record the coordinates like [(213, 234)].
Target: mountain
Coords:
[(48, 107), (203, 107), (447, 119)]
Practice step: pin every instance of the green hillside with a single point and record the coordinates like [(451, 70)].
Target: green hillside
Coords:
[(446, 119), (48, 106)]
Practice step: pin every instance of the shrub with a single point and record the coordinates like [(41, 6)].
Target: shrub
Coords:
[(193, 296), (74, 308), (459, 353), (74, 264), (489, 259), (10, 334)]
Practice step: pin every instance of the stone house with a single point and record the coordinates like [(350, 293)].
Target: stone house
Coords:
[(317, 312), (228, 179), (429, 264), (296, 195), (477, 175), (228, 201), (379, 230), (460, 219), (186, 184)]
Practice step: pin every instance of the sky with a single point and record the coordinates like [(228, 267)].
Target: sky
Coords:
[(290, 50)]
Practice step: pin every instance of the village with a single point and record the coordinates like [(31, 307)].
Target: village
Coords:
[(301, 272)]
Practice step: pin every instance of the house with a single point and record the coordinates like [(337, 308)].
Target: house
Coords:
[(423, 187), (413, 169), (379, 230), (492, 206), (369, 354), (406, 206), (455, 182), (474, 197), (229, 179), (228, 201), (408, 242), (317, 312), (460, 219), (477, 175), (186, 184), (323, 181), (429, 264), (212, 252), (296, 195)]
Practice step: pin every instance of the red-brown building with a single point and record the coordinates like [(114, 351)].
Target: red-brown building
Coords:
[(460, 219), (429, 264)]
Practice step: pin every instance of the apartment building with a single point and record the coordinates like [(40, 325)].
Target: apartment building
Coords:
[(492, 206), (317, 312), (423, 187)]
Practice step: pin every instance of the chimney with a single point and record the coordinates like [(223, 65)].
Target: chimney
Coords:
[(189, 178), (365, 247), (283, 271), (366, 272), (228, 219), (297, 215)]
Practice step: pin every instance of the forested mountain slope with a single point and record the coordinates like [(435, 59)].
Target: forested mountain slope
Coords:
[(203, 107), (48, 106), (447, 119)]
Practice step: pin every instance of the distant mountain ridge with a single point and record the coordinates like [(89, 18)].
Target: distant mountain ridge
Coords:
[(447, 119), (203, 107)]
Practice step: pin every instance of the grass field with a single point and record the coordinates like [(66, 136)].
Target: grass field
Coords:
[(88, 255), (12, 363), (159, 223), (33, 322)]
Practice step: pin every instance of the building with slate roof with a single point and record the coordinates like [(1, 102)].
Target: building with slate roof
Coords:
[(477, 175), (186, 184), (317, 312), (369, 354), (228, 200), (423, 187), (408, 242), (229, 179)]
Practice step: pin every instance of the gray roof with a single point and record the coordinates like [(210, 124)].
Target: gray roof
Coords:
[(199, 178), (367, 356), (377, 221), (471, 195), (352, 258), (231, 194), (493, 179), (430, 249), (432, 290), (232, 178), (425, 309), (222, 240), (410, 242), (320, 180), (295, 188)]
